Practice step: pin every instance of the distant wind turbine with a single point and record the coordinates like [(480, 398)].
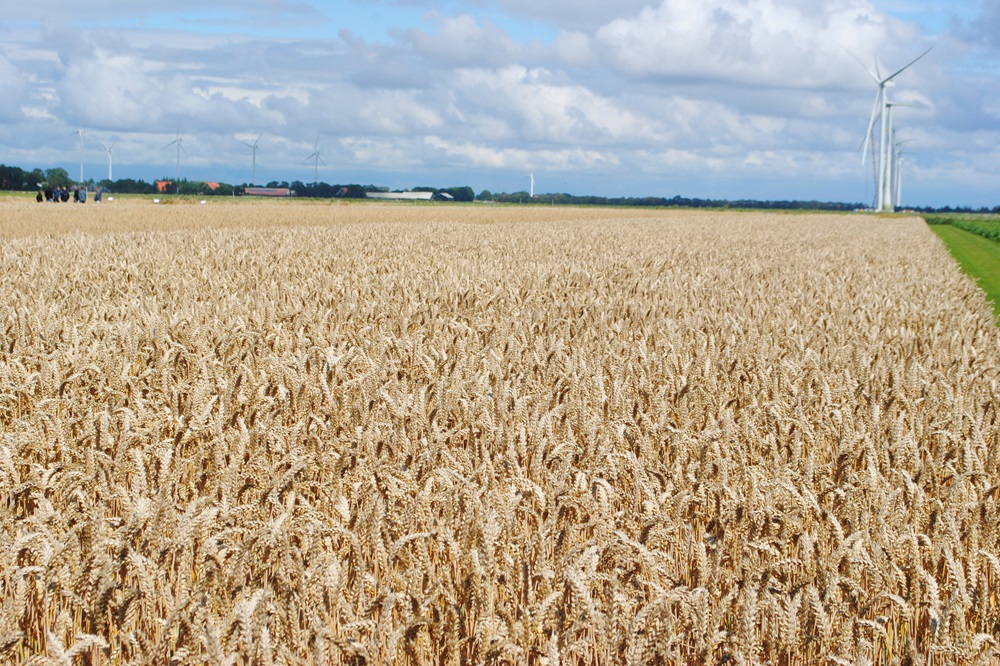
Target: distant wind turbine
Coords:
[(253, 147), (898, 152), (110, 149), (81, 132), (882, 109), (531, 191), (891, 159), (316, 156), (179, 142)]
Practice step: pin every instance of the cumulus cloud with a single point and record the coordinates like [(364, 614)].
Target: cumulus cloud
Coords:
[(111, 90), (542, 108), (462, 40), (772, 43), (15, 86)]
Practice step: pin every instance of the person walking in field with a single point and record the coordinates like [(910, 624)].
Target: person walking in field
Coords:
[(40, 197), (82, 194), (97, 194)]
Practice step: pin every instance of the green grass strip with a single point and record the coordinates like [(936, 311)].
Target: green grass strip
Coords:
[(978, 257)]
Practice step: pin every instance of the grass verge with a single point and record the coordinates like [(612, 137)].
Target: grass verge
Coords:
[(979, 257)]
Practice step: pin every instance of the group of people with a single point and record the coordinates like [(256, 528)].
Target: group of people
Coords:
[(62, 194)]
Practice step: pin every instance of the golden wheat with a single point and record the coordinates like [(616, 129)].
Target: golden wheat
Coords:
[(370, 434)]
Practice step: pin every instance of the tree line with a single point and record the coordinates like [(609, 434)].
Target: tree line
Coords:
[(13, 178)]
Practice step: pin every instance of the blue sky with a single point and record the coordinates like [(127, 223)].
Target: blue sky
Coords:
[(732, 99)]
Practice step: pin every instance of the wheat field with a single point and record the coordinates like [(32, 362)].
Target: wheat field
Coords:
[(353, 434)]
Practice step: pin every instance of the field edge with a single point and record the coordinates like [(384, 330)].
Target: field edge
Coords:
[(978, 257)]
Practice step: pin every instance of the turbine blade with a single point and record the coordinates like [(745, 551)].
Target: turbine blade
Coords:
[(872, 74), (907, 66), (876, 112)]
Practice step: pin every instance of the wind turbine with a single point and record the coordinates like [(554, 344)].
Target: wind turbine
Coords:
[(531, 191), (897, 195), (110, 149), (890, 177), (883, 202), (179, 142), (81, 132), (887, 178), (253, 147), (888, 161), (318, 159)]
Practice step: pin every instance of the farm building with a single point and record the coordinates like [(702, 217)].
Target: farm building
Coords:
[(269, 192), (425, 196), (412, 196)]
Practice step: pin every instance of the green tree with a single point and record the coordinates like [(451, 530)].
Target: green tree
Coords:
[(191, 187), (57, 177), (463, 193), (36, 179), (12, 178)]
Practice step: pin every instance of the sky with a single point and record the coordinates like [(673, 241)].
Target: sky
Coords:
[(722, 99)]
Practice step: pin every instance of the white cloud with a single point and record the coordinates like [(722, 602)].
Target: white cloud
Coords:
[(14, 85), (573, 49), (777, 43), (543, 108), (111, 90), (462, 40), (476, 155)]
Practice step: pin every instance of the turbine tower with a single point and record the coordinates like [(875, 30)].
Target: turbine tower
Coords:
[(81, 132), (881, 110), (886, 162), (890, 197), (110, 149), (253, 147), (531, 191), (897, 168), (316, 156), (179, 142)]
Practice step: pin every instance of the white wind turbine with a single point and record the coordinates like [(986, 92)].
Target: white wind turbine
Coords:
[(109, 149), (880, 110), (891, 178), (253, 147), (179, 142), (898, 152), (531, 191), (316, 156), (81, 132)]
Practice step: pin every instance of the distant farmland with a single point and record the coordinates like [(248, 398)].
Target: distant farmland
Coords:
[(277, 433)]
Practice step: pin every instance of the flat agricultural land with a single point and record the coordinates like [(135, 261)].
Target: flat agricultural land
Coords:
[(978, 256), (286, 433)]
